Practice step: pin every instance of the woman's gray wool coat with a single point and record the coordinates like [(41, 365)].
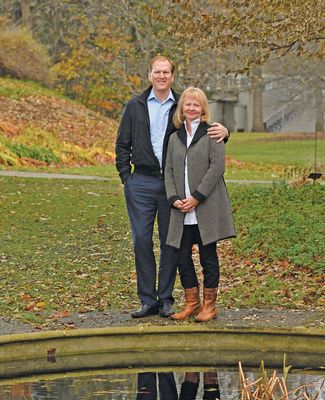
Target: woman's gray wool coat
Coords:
[(205, 160)]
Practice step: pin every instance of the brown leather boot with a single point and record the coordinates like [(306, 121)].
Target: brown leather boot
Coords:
[(193, 377), (208, 310), (192, 304)]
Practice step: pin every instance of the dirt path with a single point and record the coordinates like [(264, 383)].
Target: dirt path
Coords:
[(231, 318), (23, 174)]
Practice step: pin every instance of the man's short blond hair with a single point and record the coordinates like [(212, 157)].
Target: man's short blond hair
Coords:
[(161, 58), (198, 95)]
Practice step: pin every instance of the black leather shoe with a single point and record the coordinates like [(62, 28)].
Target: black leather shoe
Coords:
[(166, 309), (145, 310)]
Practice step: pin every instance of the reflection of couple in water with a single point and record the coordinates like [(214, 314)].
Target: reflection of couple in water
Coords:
[(147, 386)]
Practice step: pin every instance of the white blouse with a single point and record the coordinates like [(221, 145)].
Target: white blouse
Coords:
[(190, 217)]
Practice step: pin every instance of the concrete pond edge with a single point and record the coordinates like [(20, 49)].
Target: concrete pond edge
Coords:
[(49, 352)]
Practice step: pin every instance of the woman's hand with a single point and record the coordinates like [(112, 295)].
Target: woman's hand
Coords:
[(178, 204), (189, 204)]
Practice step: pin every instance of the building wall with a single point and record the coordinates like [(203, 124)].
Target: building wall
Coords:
[(237, 116), (224, 112)]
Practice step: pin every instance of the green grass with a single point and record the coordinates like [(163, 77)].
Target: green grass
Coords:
[(63, 244), (254, 173), (107, 171), (16, 89), (259, 148), (281, 223), (66, 246)]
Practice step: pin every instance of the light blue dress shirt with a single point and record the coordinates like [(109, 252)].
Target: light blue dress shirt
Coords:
[(158, 116)]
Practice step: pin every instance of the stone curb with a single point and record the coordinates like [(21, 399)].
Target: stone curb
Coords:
[(66, 351)]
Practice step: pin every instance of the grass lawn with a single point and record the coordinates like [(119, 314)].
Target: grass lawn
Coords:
[(276, 149), (66, 246), (273, 156)]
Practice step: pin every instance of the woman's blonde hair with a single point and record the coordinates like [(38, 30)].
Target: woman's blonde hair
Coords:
[(198, 95)]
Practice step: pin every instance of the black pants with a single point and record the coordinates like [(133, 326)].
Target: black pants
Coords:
[(191, 384), (147, 386), (208, 259)]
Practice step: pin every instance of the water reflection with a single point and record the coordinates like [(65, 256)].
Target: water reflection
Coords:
[(144, 385), (147, 386)]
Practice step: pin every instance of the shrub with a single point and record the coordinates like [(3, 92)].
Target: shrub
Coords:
[(36, 153), (7, 157), (22, 57)]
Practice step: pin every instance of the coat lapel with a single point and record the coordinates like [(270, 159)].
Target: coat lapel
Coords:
[(182, 134), (200, 132)]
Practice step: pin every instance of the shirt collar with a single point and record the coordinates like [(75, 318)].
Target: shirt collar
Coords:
[(153, 96), (194, 125)]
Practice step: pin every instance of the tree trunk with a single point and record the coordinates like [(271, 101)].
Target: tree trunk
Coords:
[(56, 15), (319, 105), (25, 13), (257, 92)]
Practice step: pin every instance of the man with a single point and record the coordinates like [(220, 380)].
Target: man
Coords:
[(142, 142)]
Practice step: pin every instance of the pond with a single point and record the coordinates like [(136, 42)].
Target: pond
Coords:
[(146, 384), (154, 363)]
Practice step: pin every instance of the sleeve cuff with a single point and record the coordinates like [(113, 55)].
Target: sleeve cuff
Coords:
[(124, 177), (227, 137), (198, 196), (172, 200)]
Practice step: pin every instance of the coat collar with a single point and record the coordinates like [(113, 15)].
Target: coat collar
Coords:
[(144, 96), (200, 132)]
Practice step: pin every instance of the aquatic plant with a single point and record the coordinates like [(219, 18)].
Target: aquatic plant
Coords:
[(273, 387)]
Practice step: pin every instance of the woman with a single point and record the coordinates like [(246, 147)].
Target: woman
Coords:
[(198, 196)]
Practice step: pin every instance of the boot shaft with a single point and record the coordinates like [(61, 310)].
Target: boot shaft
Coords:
[(208, 310), (192, 304)]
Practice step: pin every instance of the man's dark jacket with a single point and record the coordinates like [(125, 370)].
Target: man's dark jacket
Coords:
[(133, 144)]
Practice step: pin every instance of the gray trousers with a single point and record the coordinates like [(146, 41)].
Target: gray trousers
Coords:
[(146, 200)]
